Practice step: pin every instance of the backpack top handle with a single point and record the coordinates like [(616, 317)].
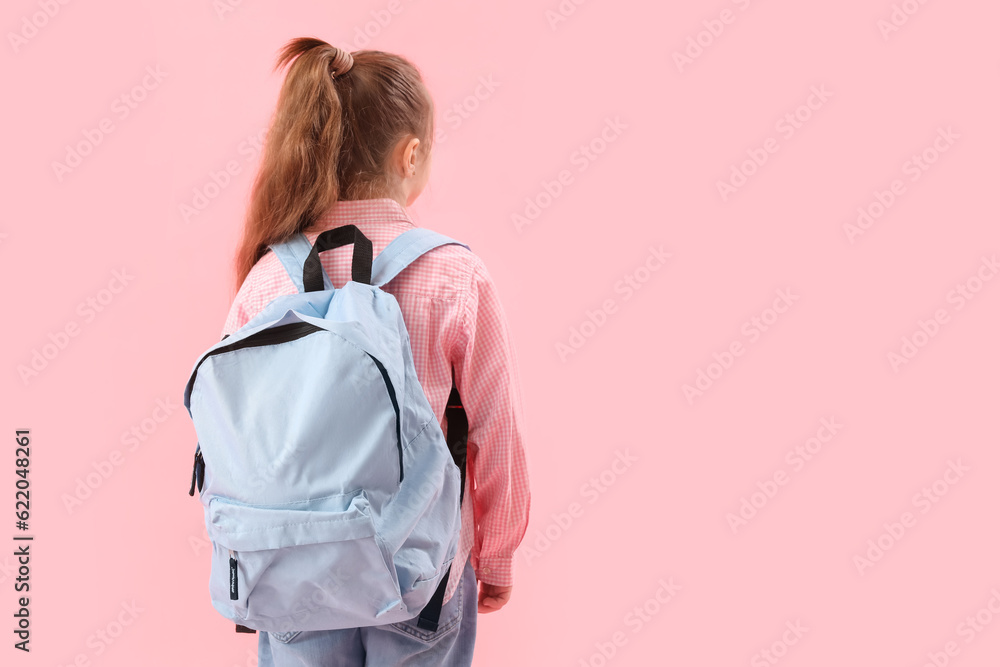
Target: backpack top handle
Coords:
[(361, 263)]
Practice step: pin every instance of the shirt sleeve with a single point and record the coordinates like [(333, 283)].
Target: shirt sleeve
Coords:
[(242, 310), (486, 374)]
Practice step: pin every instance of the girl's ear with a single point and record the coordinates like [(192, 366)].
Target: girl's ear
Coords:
[(410, 156)]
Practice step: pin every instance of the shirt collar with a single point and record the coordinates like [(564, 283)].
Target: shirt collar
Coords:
[(363, 211)]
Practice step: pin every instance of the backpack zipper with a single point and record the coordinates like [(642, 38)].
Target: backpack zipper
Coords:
[(272, 336), (395, 407), (290, 332)]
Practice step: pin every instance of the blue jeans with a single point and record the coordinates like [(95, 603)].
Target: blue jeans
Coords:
[(400, 643)]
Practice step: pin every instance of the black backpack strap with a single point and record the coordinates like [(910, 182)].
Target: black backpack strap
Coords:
[(458, 442), (432, 610), (458, 431)]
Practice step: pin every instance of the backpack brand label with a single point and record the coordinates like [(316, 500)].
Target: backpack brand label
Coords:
[(234, 590)]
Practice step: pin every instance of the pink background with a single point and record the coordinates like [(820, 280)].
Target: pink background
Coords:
[(138, 537)]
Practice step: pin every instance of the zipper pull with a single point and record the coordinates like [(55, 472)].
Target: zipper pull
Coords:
[(197, 472), (201, 470), (234, 591), (194, 472)]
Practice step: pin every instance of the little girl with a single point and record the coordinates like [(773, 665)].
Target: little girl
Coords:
[(350, 143)]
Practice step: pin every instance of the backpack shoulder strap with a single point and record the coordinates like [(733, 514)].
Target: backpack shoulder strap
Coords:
[(395, 257), (403, 250), (293, 254)]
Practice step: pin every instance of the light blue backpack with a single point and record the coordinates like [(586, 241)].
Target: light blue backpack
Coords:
[(331, 497)]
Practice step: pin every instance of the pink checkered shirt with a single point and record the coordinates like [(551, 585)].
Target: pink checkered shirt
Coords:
[(454, 319)]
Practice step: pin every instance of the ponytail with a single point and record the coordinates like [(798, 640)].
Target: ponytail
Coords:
[(338, 117)]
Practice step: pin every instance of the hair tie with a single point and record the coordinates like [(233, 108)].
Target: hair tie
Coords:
[(341, 64)]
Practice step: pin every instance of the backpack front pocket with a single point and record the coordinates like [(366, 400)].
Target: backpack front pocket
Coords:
[(283, 568)]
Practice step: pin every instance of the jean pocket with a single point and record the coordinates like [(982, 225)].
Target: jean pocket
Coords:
[(451, 616)]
